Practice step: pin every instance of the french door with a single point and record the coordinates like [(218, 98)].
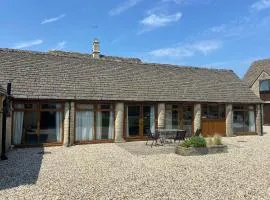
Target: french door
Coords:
[(179, 116), (139, 119)]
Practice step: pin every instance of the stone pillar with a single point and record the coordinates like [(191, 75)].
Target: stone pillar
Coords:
[(119, 122), (229, 120), (72, 123), (161, 115), (197, 116), (66, 125), (259, 130)]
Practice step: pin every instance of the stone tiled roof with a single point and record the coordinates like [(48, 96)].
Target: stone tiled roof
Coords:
[(53, 76), (102, 57), (2, 91), (255, 71)]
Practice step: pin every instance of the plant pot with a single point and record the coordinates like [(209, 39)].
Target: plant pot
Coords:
[(217, 149), (195, 151), (191, 151)]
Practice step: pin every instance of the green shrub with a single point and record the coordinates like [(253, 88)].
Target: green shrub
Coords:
[(217, 140), (194, 141)]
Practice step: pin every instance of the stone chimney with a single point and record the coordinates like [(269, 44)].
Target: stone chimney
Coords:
[(95, 49)]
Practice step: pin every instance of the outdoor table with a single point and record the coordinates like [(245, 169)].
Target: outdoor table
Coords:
[(166, 134)]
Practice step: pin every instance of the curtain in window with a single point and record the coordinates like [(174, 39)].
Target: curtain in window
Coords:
[(104, 131), (99, 126), (168, 122), (58, 123), (18, 125), (152, 119), (111, 126), (84, 125), (251, 119)]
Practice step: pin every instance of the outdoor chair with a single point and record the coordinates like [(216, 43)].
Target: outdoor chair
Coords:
[(180, 135), (198, 132), (152, 136)]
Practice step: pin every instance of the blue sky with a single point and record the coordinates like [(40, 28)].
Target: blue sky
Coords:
[(226, 34)]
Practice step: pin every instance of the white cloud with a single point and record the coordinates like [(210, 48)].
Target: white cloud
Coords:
[(172, 52), (187, 50), (155, 20), (26, 44), (240, 28), (206, 46), (175, 1), (260, 5), (123, 7), (218, 29), (54, 19), (188, 2), (60, 45)]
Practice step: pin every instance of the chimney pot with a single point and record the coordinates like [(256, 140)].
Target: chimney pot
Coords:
[(95, 49)]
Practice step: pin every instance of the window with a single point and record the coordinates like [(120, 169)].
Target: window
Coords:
[(94, 122), (265, 86), (172, 117), (243, 119), (179, 116), (105, 122), (35, 123), (213, 111)]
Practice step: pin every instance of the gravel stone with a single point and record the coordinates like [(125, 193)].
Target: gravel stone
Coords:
[(135, 171)]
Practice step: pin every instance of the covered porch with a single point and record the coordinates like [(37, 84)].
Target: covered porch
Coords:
[(43, 123)]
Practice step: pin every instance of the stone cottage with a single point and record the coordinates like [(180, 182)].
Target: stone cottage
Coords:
[(258, 79), (65, 98)]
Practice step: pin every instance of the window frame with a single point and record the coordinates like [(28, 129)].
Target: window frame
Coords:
[(96, 108), (220, 117), (38, 109), (244, 108), (260, 83)]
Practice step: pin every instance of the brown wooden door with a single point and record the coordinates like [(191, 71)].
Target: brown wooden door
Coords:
[(211, 127), (266, 113)]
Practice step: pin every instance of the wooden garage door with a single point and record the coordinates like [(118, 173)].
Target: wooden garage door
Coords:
[(213, 126), (266, 113)]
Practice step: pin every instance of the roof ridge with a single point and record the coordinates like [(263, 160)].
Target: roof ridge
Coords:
[(185, 66), (261, 60), (72, 54), (132, 60)]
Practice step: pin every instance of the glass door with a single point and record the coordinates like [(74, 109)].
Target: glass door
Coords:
[(140, 119), (148, 119), (133, 121), (188, 118)]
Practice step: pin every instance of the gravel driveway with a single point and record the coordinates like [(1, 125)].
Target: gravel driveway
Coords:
[(134, 171)]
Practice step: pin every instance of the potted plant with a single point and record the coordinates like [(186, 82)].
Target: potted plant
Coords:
[(215, 145), (195, 145)]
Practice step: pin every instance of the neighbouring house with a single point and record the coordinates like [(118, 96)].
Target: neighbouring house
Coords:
[(258, 79), (65, 98), (2, 97)]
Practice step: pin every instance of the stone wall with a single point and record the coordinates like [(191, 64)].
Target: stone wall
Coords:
[(256, 85), (229, 120), (197, 116), (72, 123), (161, 115), (259, 130), (66, 124), (119, 122)]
